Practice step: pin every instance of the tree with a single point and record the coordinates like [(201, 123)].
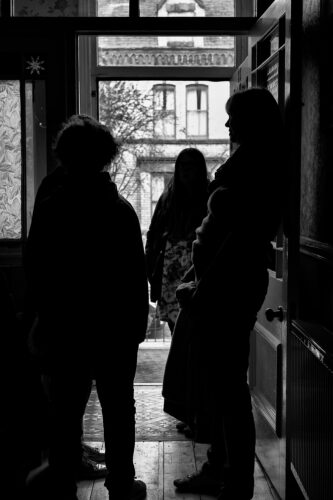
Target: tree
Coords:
[(129, 113)]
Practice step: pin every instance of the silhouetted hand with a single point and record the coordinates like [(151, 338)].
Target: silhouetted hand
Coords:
[(185, 292)]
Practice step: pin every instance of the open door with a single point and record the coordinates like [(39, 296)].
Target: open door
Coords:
[(267, 54), (265, 66)]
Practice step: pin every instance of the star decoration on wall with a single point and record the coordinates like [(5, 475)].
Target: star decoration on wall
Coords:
[(35, 65)]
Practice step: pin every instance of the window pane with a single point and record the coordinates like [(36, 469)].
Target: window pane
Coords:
[(120, 8), (170, 100), (152, 51), (202, 123), (10, 160), (164, 110), (113, 8), (158, 99), (71, 8), (48, 8), (192, 123), (203, 99), (187, 8), (35, 141), (165, 126), (196, 98), (191, 99), (164, 97), (157, 187), (197, 123), (30, 151)]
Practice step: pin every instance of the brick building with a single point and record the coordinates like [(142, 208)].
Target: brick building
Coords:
[(193, 110)]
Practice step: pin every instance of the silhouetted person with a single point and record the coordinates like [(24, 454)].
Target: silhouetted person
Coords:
[(93, 461), (86, 273), (227, 286), (178, 212)]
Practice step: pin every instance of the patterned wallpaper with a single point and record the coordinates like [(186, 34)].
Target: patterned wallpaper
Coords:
[(10, 160)]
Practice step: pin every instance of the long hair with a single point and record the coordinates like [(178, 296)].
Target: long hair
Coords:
[(185, 213), (264, 151), (259, 115)]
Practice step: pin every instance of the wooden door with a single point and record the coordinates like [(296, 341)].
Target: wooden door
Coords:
[(265, 67)]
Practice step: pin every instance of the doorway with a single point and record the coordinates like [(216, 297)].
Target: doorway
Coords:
[(148, 91)]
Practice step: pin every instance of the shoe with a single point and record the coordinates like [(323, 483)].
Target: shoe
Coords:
[(138, 492), (93, 454), (199, 482), (185, 429), (89, 469), (180, 426), (188, 432)]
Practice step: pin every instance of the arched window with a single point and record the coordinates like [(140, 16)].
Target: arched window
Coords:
[(197, 110), (164, 110)]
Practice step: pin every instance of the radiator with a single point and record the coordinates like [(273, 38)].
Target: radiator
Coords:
[(310, 412)]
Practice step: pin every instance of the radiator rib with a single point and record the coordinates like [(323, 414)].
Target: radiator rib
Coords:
[(311, 415)]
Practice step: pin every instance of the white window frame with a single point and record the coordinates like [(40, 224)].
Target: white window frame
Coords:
[(205, 113), (165, 87)]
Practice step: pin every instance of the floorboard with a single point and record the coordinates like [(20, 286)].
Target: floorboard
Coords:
[(161, 453), (159, 463)]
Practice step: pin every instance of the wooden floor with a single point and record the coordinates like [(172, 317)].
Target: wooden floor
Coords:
[(158, 463), (159, 458)]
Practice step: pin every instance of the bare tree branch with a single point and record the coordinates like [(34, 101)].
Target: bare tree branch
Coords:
[(130, 115)]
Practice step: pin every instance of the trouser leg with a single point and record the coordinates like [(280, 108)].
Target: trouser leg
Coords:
[(239, 438), (115, 390), (233, 439), (67, 396)]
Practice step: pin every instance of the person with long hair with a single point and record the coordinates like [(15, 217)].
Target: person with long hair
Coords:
[(179, 211), (226, 288)]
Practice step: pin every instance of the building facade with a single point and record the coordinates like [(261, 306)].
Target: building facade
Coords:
[(183, 112)]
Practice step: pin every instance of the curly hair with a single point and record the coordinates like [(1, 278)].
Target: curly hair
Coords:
[(84, 144)]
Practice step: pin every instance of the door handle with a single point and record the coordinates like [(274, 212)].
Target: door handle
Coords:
[(270, 314)]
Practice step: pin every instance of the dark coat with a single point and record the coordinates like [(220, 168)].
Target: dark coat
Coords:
[(157, 235), (86, 272), (210, 344)]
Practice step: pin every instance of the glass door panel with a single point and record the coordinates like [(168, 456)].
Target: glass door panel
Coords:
[(187, 8), (151, 120), (128, 8), (35, 142), (10, 160), (167, 51), (22, 153)]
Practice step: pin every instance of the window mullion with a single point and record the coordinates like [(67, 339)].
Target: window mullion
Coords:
[(134, 9), (6, 8)]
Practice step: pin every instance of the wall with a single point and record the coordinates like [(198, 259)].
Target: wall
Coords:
[(316, 206)]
